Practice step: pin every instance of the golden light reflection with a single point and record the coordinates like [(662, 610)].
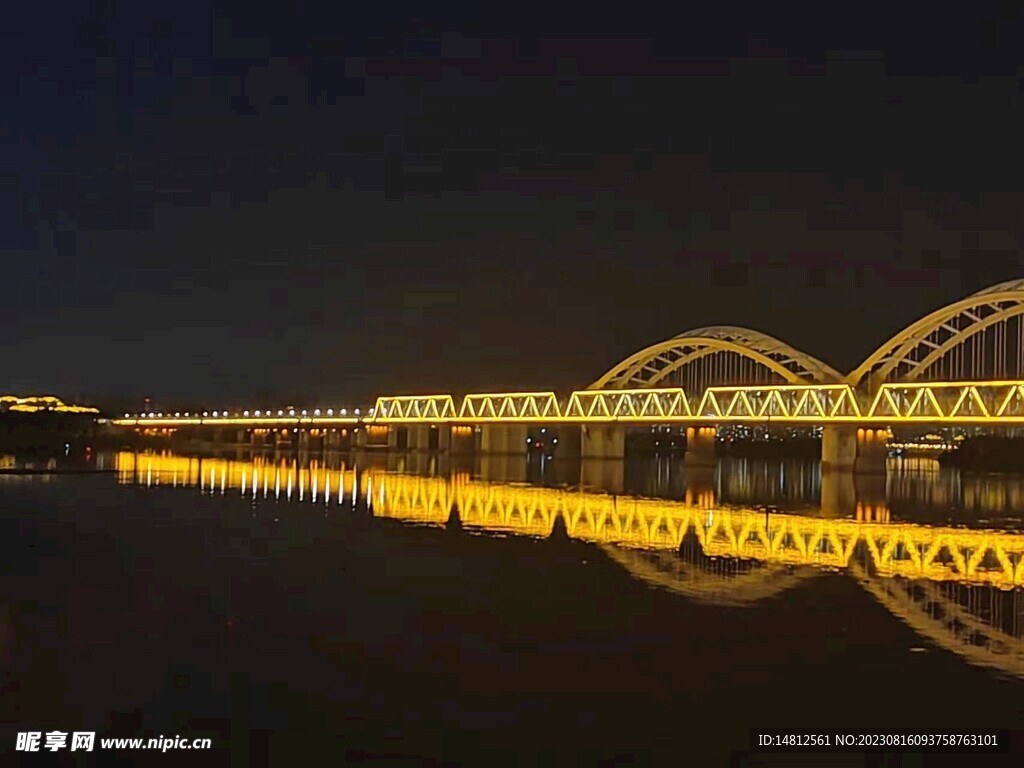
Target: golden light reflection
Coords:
[(895, 549), (927, 576)]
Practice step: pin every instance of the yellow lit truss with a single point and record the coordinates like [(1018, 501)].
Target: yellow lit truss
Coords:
[(510, 406), (995, 402), (789, 402), (966, 401), (414, 408), (628, 405)]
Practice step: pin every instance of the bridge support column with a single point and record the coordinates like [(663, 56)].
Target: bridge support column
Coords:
[(503, 438), (848, 448), (700, 446), (602, 442), (444, 438), (358, 438), (419, 438), (462, 439)]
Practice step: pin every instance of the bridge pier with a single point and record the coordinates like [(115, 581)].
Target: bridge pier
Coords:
[(504, 438), (700, 446), (602, 442), (419, 438), (846, 448)]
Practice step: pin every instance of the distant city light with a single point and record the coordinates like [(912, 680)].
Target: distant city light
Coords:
[(257, 413), (316, 412), (357, 411), (330, 411), (303, 412), (343, 411), (291, 411), (280, 413), (245, 413), (215, 413)]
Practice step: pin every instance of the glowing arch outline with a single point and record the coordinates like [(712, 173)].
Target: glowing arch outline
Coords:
[(759, 347), (897, 349)]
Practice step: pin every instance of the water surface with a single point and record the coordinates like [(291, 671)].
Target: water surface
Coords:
[(498, 612)]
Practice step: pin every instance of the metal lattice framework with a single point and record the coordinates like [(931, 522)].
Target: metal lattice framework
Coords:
[(414, 408), (830, 402), (980, 335), (510, 406), (936, 402), (724, 355), (629, 405)]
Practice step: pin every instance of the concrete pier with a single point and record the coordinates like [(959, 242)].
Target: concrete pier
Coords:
[(602, 442), (504, 439), (850, 448)]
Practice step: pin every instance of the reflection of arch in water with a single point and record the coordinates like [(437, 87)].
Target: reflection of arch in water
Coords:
[(934, 616), (724, 582)]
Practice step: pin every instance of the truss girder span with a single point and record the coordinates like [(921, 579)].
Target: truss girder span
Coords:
[(832, 402), (967, 402), (629, 405), (414, 408), (511, 406)]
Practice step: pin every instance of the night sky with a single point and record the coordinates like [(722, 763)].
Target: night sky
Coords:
[(209, 204)]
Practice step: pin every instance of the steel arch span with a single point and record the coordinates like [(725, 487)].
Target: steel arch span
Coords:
[(717, 355), (978, 337)]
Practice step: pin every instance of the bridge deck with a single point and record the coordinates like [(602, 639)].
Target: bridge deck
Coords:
[(962, 402)]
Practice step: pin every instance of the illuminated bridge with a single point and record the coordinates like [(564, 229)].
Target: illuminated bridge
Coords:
[(930, 577), (961, 365)]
